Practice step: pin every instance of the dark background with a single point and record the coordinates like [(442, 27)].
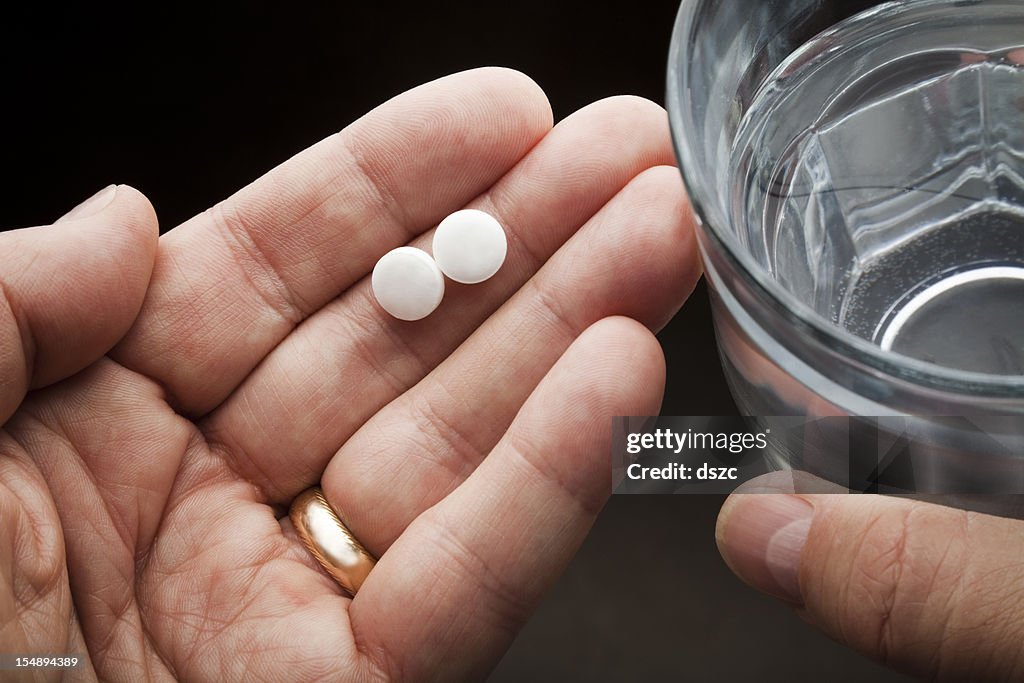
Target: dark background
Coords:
[(189, 103)]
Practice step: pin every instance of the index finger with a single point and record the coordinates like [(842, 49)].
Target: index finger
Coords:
[(231, 283)]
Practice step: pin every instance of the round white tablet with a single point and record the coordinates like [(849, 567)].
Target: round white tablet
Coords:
[(470, 246), (407, 283)]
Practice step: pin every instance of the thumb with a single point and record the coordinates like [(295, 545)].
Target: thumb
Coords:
[(69, 291), (930, 590)]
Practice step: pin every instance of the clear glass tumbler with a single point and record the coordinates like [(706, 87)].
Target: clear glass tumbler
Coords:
[(858, 173)]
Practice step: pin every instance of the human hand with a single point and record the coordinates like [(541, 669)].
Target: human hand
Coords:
[(259, 365), (933, 591)]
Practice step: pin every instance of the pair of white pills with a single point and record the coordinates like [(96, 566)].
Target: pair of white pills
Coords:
[(469, 247)]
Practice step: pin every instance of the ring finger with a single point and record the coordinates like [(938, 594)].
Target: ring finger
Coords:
[(350, 359), (635, 258)]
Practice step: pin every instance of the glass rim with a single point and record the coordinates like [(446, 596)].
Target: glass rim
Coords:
[(845, 343)]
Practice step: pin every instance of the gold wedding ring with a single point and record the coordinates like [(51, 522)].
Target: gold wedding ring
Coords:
[(329, 540)]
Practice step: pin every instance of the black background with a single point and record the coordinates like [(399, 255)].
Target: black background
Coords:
[(190, 103)]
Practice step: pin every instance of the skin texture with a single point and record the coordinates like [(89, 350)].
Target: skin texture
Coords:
[(163, 400), (933, 591)]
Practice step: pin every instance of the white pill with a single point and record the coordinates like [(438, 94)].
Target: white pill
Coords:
[(470, 246), (408, 284)]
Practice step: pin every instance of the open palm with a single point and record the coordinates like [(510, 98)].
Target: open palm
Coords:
[(166, 399)]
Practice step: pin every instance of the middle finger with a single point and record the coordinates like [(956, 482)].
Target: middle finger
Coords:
[(636, 258), (283, 424)]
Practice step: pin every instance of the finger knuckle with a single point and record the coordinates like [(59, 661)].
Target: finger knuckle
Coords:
[(506, 606), (902, 583)]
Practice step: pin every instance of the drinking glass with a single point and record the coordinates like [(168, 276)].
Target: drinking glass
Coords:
[(857, 169)]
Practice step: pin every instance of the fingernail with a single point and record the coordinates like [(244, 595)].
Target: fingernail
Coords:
[(91, 206), (761, 536)]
